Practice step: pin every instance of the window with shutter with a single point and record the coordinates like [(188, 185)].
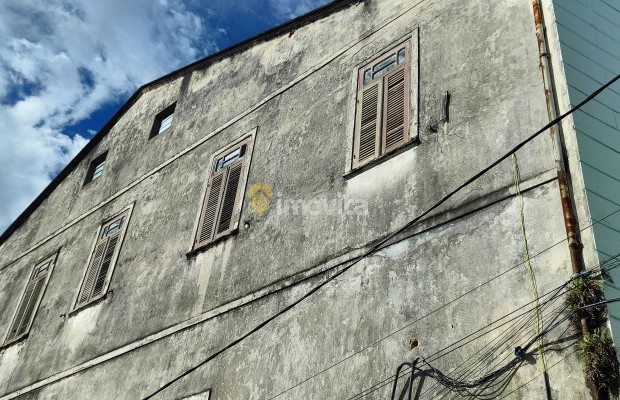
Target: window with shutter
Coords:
[(382, 110), (224, 196), (31, 299), (103, 259)]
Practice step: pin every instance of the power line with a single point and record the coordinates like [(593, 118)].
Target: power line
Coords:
[(453, 384), (553, 315), (520, 321), (439, 308), (387, 238), (555, 293), (539, 375), (518, 356)]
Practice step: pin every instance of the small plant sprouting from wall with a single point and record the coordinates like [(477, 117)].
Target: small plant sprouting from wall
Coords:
[(601, 364), (584, 291), (600, 360)]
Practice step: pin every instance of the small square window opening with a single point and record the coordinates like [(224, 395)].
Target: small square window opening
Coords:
[(95, 170), (163, 121)]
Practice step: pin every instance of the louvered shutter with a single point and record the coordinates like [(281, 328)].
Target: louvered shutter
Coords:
[(106, 263), (97, 277), (227, 216), (21, 315), (211, 207), (30, 301), (395, 110), (92, 272), (368, 124)]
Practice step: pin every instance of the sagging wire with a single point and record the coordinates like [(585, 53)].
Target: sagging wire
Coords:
[(392, 333), (526, 251), (519, 353), (521, 321), (385, 239), (554, 294)]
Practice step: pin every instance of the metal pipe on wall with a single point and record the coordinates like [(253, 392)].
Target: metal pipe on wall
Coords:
[(570, 221)]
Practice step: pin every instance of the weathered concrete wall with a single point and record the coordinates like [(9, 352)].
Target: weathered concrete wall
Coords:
[(298, 90)]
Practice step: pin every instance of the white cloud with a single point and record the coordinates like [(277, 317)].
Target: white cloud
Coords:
[(60, 60), (287, 9)]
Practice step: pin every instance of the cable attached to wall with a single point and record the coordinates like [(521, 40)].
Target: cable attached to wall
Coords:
[(460, 384), (530, 270), (388, 237)]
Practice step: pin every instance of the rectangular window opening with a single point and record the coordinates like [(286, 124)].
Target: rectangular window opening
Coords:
[(224, 195), (102, 260), (163, 120), (96, 168), (383, 105), (30, 300)]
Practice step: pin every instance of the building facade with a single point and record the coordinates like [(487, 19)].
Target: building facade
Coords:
[(229, 189)]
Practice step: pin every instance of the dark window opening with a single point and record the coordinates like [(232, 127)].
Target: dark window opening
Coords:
[(95, 170), (163, 121)]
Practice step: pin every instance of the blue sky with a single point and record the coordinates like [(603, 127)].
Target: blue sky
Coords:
[(67, 65)]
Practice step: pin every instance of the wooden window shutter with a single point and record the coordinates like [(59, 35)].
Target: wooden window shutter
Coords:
[(383, 102), (396, 109), (220, 209), (105, 253), (368, 124), (210, 208), (29, 303), (229, 199)]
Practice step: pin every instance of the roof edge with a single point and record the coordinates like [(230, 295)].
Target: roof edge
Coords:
[(269, 34)]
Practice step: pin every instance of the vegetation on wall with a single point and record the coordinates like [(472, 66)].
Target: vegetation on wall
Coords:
[(600, 360), (596, 345), (582, 292)]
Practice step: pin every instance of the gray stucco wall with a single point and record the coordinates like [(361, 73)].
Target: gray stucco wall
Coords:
[(166, 311), (588, 33)]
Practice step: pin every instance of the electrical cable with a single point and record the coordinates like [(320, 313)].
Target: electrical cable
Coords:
[(390, 379), (523, 328), (602, 267), (538, 376), (526, 250), (555, 313), (519, 352), (588, 272), (556, 294), (524, 336), (517, 319), (387, 238), (496, 347), (439, 308)]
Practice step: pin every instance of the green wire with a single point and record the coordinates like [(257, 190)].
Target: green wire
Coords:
[(526, 251)]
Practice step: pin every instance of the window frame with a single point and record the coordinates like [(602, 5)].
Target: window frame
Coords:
[(100, 159), (76, 305), (160, 117), (52, 259), (248, 139), (352, 168)]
